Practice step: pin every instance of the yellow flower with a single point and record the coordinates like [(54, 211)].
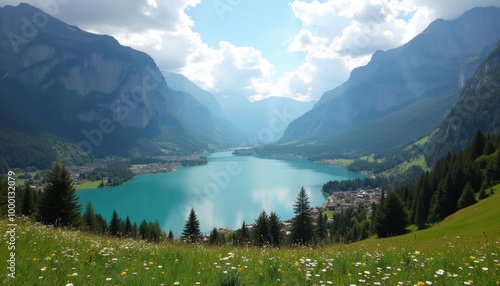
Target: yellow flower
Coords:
[(240, 270), (470, 281), (53, 254), (176, 260), (150, 262), (420, 283), (124, 273), (349, 274), (296, 264), (472, 257), (279, 270)]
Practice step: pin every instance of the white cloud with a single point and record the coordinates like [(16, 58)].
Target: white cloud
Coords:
[(335, 37)]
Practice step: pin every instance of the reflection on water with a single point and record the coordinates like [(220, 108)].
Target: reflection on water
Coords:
[(226, 191)]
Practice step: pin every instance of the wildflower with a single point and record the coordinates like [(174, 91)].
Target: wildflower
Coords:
[(150, 262), (420, 283), (69, 284), (176, 283), (296, 264), (472, 257), (440, 272), (108, 279), (176, 260), (485, 268), (124, 273)]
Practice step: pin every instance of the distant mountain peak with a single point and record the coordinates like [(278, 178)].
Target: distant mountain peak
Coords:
[(428, 68)]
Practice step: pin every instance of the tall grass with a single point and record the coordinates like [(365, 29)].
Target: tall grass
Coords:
[(462, 250)]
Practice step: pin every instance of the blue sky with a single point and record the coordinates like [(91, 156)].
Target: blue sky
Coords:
[(265, 25), (255, 48)]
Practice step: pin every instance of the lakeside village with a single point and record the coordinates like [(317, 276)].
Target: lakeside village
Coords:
[(165, 164)]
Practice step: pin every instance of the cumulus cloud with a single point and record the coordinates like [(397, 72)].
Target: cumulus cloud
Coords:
[(335, 36)]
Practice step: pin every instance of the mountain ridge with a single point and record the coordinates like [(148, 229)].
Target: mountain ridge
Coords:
[(90, 92), (427, 66)]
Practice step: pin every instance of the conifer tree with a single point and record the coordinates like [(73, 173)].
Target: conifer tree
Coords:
[(321, 230), (59, 204), (244, 233), (274, 229), (477, 145), (127, 229), (467, 198), (214, 235), (135, 231), (261, 229), (170, 236), (114, 224), (28, 204), (144, 230), (393, 217), (90, 219), (302, 227), (192, 227)]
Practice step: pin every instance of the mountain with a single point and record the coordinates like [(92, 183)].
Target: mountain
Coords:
[(265, 120), (86, 94), (181, 83), (205, 122), (400, 95), (477, 108)]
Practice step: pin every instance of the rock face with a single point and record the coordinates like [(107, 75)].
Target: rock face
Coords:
[(71, 81), (83, 64), (427, 67), (477, 108)]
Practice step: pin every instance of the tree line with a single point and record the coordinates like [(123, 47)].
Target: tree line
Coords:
[(455, 182)]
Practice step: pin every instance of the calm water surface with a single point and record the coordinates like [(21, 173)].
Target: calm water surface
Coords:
[(226, 191)]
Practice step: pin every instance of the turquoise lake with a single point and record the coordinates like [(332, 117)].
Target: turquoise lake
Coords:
[(224, 192)]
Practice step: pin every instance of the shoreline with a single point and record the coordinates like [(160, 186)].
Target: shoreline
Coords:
[(170, 164)]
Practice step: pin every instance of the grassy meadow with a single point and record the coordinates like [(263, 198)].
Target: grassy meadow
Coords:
[(464, 249)]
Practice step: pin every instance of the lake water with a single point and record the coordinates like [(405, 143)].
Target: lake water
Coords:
[(226, 191)]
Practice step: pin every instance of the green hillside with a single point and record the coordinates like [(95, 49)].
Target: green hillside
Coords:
[(461, 250)]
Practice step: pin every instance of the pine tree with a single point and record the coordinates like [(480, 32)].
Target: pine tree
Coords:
[(261, 229), (114, 225), (393, 217), (192, 227), (477, 145), (302, 227), (28, 204), (171, 236), (244, 234), (90, 218), (135, 231), (467, 198), (59, 204), (214, 235), (321, 230), (144, 230), (274, 229), (127, 229)]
